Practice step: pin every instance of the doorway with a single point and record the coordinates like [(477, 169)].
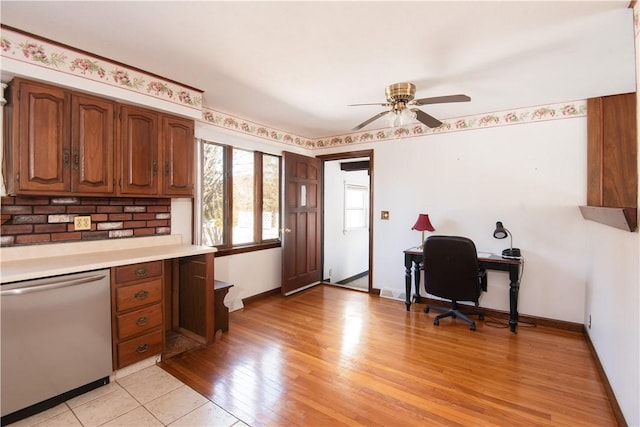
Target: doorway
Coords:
[(347, 220)]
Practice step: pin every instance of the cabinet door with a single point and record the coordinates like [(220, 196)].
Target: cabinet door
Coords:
[(93, 141), (612, 151), (178, 148), (42, 147), (138, 151)]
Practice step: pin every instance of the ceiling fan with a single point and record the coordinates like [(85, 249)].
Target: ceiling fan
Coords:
[(400, 98)]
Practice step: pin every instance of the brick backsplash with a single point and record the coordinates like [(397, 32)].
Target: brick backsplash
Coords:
[(42, 220)]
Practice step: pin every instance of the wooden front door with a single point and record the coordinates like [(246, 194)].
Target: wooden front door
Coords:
[(301, 222)]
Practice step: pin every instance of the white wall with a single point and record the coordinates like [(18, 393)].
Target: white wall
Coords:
[(346, 253), (613, 300), (530, 176)]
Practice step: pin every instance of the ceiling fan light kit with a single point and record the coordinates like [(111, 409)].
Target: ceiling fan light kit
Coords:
[(400, 98)]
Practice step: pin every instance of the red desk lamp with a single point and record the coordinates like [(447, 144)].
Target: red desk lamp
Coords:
[(423, 224)]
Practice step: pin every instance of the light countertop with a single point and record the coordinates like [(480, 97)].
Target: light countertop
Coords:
[(32, 262)]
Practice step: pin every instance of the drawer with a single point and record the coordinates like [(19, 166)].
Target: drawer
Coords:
[(128, 297), (144, 270), (140, 348), (139, 321)]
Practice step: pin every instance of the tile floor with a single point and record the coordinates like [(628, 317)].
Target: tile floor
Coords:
[(148, 397)]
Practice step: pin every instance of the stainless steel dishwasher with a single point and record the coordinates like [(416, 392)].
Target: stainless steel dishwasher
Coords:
[(55, 342)]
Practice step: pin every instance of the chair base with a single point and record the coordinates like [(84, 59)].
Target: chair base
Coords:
[(455, 313)]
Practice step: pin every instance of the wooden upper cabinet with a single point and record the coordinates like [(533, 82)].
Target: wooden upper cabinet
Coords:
[(612, 167), (139, 161), (177, 152), (62, 142), (41, 146), (612, 173), (92, 138)]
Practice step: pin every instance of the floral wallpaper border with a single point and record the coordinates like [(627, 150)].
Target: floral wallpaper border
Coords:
[(30, 49), (503, 118), (237, 124), (20, 47)]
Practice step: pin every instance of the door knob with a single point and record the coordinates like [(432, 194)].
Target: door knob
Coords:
[(285, 230)]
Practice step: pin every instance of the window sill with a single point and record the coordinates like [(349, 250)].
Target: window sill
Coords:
[(246, 248), (622, 218)]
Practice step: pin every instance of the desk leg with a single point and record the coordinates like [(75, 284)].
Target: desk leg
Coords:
[(514, 288), (407, 279), (416, 279)]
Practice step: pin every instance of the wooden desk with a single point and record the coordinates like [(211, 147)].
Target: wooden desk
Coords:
[(413, 259)]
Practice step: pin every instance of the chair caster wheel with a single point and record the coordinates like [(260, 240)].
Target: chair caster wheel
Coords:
[(436, 322), (481, 317), (473, 326), (426, 309)]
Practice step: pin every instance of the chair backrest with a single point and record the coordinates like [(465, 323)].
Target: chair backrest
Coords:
[(451, 268)]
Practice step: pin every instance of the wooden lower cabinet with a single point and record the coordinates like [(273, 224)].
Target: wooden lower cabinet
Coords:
[(137, 324), (151, 299)]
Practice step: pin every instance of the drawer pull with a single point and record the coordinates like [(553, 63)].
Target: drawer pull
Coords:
[(142, 321), (141, 294), (142, 348), (141, 272)]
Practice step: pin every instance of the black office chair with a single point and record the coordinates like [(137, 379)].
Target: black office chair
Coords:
[(451, 272)]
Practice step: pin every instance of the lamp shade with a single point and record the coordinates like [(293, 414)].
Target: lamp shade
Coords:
[(500, 232), (423, 223)]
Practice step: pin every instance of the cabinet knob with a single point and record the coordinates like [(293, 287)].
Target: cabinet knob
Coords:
[(142, 348), (141, 272), (155, 168), (65, 157), (76, 160), (142, 321), (141, 294), (167, 168)]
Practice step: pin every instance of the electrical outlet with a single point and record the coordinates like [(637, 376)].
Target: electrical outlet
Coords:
[(82, 223)]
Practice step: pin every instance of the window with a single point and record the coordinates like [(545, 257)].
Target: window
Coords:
[(355, 206), (240, 198)]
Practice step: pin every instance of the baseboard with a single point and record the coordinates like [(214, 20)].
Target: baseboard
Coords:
[(533, 320), (352, 278), (615, 407)]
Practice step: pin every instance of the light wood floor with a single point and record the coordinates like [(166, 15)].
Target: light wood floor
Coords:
[(330, 356)]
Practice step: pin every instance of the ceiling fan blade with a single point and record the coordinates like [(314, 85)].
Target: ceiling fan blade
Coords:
[(376, 117), (425, 118), (441, 99), (385, 104)]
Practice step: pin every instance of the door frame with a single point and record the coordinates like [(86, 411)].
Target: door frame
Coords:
[(344, 156)]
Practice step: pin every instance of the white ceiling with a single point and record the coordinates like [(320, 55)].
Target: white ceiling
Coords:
[(296, 66)]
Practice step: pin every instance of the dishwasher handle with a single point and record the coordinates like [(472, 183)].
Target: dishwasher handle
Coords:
[(53, 285)]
